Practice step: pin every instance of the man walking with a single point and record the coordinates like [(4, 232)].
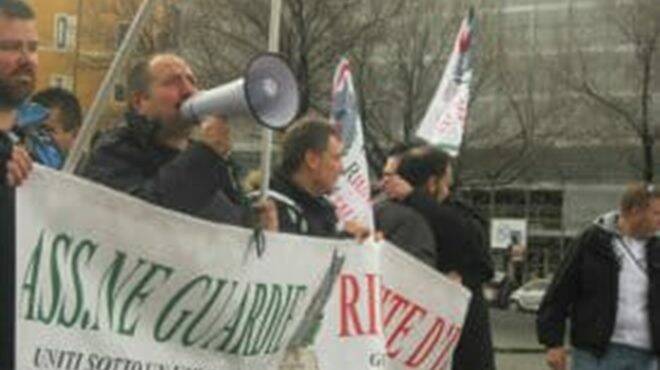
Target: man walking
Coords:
[(608, 286)]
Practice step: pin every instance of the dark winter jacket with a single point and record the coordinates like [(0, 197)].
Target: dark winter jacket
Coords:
[(299, 212), (460, 239), (7, 268), (195, 181), (585, 290), (462, 246), (7, 258)]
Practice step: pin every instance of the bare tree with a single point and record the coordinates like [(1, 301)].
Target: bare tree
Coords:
[(398, 81), (396, 78), (519, 109), (634, 27), (314, 35), (525, 119), (105, 23)]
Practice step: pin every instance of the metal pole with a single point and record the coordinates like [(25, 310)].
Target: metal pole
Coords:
[(76, 59), (90, 123), (267, 134)]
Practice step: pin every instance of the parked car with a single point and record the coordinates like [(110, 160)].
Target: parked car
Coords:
[(528, 297)]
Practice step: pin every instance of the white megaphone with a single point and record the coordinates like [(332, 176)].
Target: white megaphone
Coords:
[(268, 91)]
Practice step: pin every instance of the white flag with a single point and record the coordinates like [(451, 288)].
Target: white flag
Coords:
[(352, 197), (444, 122)]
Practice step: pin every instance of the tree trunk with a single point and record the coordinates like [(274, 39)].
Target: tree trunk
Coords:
[(647, 145)]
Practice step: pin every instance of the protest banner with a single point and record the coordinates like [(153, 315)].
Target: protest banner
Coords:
[(105, 281)]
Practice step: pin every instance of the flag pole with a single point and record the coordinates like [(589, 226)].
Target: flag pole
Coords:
[(267, 134)]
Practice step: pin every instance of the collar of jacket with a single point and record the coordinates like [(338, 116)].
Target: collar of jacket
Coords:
[(282, 184), (141, 128)]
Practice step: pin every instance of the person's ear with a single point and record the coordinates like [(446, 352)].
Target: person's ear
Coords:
[(312, 159), (137, 100), (431, 185)]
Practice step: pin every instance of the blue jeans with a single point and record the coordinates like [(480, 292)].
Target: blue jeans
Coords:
[(617, 357)]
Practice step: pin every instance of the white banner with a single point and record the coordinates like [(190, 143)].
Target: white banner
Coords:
[(421, 314), (105, 281), (352, 198), (444, 122)]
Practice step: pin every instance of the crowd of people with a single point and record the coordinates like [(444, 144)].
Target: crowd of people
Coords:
[(152, 155)]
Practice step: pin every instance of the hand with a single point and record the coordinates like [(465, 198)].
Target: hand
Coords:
[(455, 277), (216, 134), (357, 230), (19, 166), (7, 120), (267, 211), (556, 358), (396, 187)]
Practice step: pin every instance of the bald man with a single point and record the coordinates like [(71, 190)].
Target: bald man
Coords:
[(152, 156)]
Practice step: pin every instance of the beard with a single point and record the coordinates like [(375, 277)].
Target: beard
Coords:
[(12, 95), (9, 99), (15, 89)]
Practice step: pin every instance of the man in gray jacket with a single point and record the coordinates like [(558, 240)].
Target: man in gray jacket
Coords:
[(401, 224)]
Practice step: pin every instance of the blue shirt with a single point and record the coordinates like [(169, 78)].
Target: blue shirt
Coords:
[(30, 120)]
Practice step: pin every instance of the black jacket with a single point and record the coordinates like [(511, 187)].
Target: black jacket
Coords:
[(299, 212), (7, 268), (585, 289), (195, 181), (460, 239), (7, 258), (462, 246)]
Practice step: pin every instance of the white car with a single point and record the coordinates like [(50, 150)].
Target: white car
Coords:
[(528, 297)]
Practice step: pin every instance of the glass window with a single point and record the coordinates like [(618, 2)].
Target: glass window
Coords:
[(65, 32), (61, 81)]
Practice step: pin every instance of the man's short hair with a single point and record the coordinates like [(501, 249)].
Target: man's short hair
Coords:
[(400, 148), (302, 136), (139, 77), (16, 9), (638, 195), (66, 102), (419, 164)]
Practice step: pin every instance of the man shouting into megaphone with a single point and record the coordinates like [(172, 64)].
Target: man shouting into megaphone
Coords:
[(152, 156)]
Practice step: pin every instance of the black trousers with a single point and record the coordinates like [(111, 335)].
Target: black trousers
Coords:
[(475, 348), (7, 278)]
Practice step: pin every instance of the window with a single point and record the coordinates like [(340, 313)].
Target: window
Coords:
[(65, 31), (120, 93), (62, 81)]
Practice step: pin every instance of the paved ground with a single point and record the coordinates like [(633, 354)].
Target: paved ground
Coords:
[(515, 341)]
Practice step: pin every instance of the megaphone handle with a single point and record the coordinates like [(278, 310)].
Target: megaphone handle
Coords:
[(266, 147)]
